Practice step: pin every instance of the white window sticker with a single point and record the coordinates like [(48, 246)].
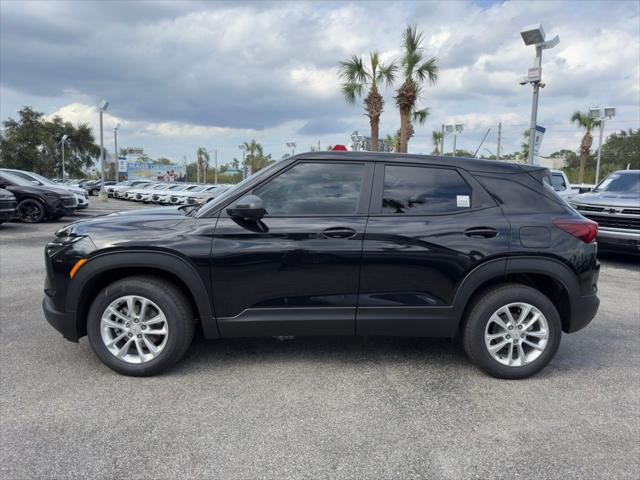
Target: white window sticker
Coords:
[(463, 201)]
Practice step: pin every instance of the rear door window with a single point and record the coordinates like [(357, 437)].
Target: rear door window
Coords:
[(418, 190)]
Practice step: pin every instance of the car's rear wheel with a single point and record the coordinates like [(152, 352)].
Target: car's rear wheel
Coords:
[(140, 326), (512, 331), (30, 210)]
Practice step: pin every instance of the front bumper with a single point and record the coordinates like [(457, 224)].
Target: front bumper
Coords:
[(7, 209), (617, 238), (63, 322)]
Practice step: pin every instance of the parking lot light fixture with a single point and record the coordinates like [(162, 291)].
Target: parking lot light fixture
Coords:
[(292, 146), (62, 142), (534, 35), (243, 147), (103, 193), (456, 129), (601, 115)]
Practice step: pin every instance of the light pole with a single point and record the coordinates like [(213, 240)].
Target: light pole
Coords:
[(243, 147), (534, 35), (598, 114), (292, 146), (115, 144), (62, 142), (456, 129), (103, 193)]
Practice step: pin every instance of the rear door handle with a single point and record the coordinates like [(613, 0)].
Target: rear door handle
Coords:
[(481, 232), (339, 232)]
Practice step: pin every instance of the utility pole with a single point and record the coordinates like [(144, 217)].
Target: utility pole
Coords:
[(442, 142), (64, 139), (198, 167), (186, 170), (215, 172), (499, 141)]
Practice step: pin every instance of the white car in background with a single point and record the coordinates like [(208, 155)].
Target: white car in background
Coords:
[(131, 193), (119, 189), (163, 195), (180, 197), (81, 195), (144, 195), (208, 193)]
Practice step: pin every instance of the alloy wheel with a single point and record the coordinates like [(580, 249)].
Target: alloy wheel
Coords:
[(516, 334), (30, 211), (134, 329)]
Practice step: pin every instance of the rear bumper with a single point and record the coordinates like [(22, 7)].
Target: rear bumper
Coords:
[(583, 310), (63, 322)]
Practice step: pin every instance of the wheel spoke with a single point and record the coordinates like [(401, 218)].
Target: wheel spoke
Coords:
[(510, 354), (162, 331), (118, 314), (533, 320), (130, 306), (116, 340), (538, 334), (521, 354), (498, 346), (495, 318), (125, 348), (154, 320), (111, 324), (152, 348), (493, 336), (533, 345), (507, 312), (143, 308), (139, 349), (524, 314)]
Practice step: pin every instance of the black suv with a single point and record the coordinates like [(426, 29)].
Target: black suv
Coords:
[(336, 243)]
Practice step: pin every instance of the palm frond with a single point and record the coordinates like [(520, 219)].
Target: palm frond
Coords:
[(429, 70), (374, 57), (353, 70), (420, 116), (352, 91), (387, 74)]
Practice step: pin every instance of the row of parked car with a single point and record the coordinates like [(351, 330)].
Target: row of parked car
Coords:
[(147, 191), (32, 198)]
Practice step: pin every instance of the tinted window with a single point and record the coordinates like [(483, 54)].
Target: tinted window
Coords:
[(423, 191), (557, 182), (314, 189)]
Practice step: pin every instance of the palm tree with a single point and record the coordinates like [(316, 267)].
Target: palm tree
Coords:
[(202, 163), (583, 120), (415, 70), (436, 137), (356, 76)]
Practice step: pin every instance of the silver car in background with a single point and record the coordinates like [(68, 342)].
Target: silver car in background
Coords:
[(615, 205)]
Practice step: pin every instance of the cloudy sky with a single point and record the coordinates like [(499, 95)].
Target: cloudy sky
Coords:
[(180, 75)]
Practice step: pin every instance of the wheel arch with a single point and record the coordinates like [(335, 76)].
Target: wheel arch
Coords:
[(549, 276), (106, 268)]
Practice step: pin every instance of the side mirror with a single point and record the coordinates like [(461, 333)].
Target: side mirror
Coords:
[(249, 207)]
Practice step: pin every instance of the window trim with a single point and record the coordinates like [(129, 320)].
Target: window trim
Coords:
[(362, 205), (375, 206)]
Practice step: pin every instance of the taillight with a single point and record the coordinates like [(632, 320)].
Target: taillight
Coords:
[(585, 230)]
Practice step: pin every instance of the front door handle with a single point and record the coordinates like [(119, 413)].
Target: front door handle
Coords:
[(339, 232), (481, 232)]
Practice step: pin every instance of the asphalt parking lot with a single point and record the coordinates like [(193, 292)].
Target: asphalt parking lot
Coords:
[(313, 407)]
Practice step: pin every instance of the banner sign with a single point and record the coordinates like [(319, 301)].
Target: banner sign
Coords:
[(537, 140), (153, 171), (122, 164)]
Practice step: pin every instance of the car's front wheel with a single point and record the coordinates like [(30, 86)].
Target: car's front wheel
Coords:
[(30, 210), (140, 325), (512, 331)]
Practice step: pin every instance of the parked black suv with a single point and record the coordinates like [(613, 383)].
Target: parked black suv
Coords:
[(336, 243), (38, 202)]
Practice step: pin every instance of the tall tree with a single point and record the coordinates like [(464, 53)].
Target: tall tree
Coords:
[(202, 163), (415, 71), (33, 143), (436, 138), (356, 76), (584, 121)]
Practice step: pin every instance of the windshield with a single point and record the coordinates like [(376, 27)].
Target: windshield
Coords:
[(15, 180), (40, 178), (620, 183)]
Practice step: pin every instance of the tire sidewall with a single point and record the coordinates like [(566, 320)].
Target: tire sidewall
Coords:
[(175, 326), (37, 203), (488, 306)]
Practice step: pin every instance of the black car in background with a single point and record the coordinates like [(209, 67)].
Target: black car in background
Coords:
[(336, 243), (37, 203), (8, 205), (93, 186)]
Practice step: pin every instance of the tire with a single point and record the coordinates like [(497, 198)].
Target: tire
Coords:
[(178, 322), (30, 210), (481, 324)]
